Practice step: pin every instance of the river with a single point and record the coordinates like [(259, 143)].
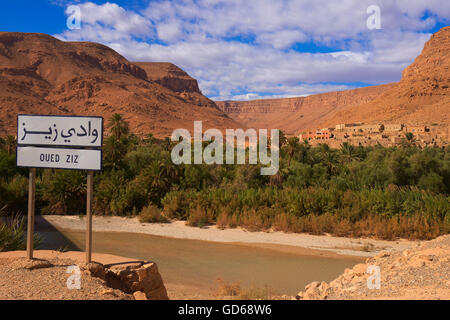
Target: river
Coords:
[(200, 263)]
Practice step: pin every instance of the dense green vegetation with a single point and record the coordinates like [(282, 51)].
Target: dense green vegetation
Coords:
[(351, 191), (12, 234)]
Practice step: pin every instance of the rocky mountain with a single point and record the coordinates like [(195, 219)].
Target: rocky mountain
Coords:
[(41, 74), (293, 114), (175, 79), (421, 97), (170, 76)]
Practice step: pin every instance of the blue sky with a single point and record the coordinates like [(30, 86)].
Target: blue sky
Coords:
[(247, 49)]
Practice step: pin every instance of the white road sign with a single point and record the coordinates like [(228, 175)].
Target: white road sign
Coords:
[(43, 130), (59, 158)]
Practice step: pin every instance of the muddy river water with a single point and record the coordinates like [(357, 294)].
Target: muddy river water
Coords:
[(200, 263)]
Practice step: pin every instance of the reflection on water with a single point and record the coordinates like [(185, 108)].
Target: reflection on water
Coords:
[(199, 263)]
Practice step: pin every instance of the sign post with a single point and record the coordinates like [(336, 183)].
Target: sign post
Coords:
[(59, 142), (31, 198), (90, 178)]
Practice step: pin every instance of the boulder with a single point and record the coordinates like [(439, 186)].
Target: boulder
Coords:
[(130, 278), (95, 269)]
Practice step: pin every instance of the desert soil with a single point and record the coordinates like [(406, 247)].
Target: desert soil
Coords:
[(45, 278), (324, 245), (421, 272)]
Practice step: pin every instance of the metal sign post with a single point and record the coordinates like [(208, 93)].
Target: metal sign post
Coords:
[(90, 178), (31, 197), (59, 142)]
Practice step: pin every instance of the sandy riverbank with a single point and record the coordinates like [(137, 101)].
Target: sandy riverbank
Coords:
[(297, 243)]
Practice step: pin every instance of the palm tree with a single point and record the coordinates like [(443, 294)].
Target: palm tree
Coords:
[(282, 139), (348, 152), (306, 143), (328, 157), (292, 146), (409, 137), (158, 177), (118, 126), (10, 143), (114, 151)]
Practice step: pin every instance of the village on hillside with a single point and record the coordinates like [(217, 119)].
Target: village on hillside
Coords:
[(387, 135)]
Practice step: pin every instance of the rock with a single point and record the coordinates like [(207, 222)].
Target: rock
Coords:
[(356, 280), (324, 289), (383, 254), (336, 283), (95, 269), (360, 269), (131, 278), (139, 295), (428, 257), (312, 285), (143, 277), (348, 276), (108, 292), (312, 291), (353, 288), (323, 286), (370, 260), (141, 273)]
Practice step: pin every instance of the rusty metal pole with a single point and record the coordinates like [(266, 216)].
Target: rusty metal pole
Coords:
[(31, 206), (90, 178)]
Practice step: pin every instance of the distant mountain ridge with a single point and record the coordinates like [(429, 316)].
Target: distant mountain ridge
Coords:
[(41, 74), (293, 114), (422, 97)]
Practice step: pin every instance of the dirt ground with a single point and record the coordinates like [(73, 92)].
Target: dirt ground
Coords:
[(46, 277), (422, 272)]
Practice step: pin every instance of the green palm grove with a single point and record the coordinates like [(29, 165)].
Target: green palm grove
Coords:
[(352, 191)]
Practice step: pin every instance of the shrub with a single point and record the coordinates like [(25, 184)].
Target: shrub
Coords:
[(64, 190), (150, 214), (13, 234), (14, 194), (226, 288), (200, 217), (234, 290)]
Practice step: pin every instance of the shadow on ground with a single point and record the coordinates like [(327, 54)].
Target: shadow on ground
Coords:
[(52, 238)]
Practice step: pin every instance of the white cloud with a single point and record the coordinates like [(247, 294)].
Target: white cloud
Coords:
[(109, 22), (282, 39), (169, 32), (243, 48)]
